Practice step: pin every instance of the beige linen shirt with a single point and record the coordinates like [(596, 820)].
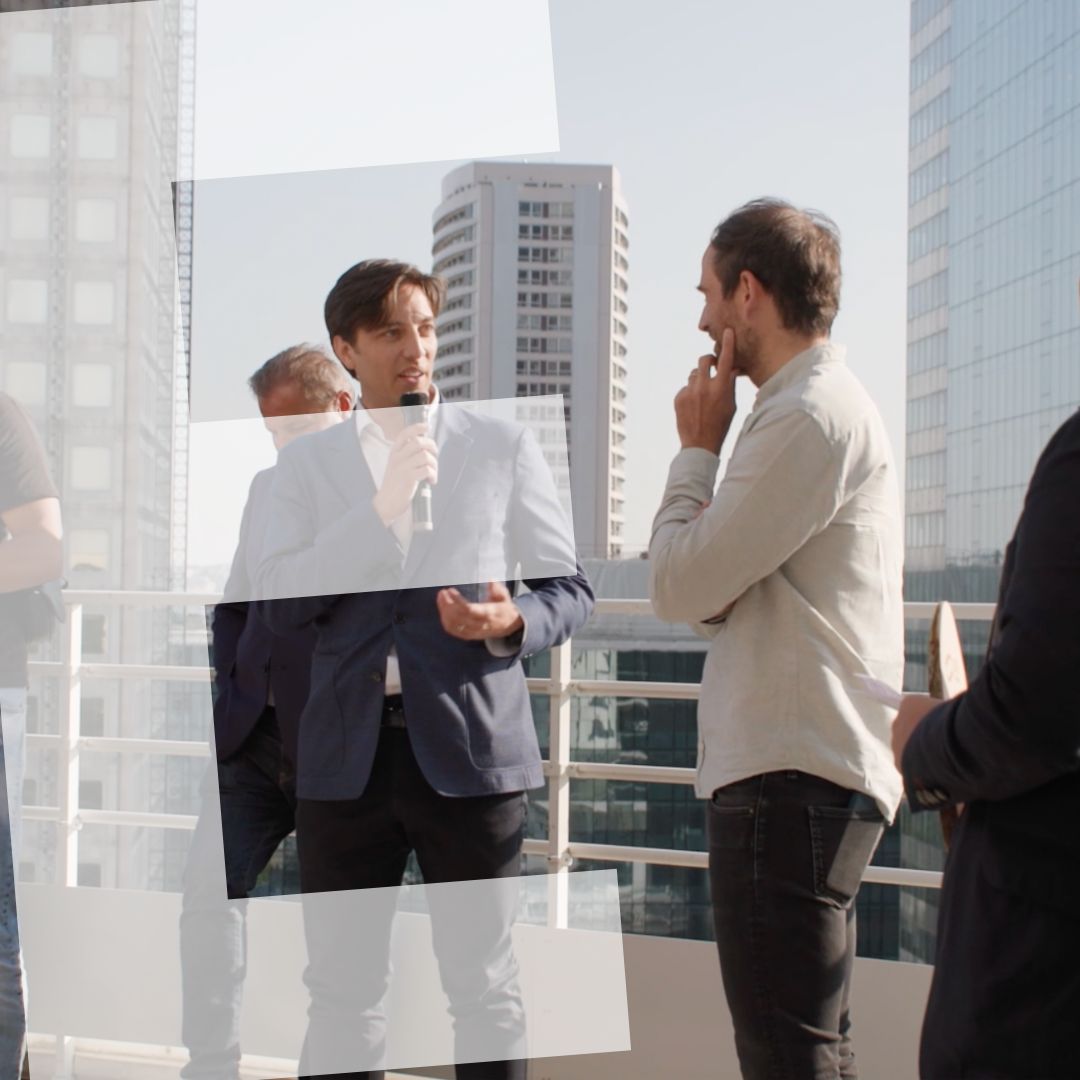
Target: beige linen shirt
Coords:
[(804, 536)]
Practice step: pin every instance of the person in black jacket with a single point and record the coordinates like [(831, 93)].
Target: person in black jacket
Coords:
[(261, 684), (1005, 995)]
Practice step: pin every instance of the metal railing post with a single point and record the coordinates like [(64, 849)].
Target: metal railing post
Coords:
[(67, 870), (64, 1062), (558, 857)]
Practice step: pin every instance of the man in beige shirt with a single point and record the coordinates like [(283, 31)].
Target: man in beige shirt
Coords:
[(793, 566)]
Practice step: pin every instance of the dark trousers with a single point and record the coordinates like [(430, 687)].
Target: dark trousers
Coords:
[(786, 854), (364, 843), (258, 801), (1005, 997)]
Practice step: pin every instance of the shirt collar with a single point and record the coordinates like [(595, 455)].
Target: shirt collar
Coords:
[(364, 420), (798, 368)]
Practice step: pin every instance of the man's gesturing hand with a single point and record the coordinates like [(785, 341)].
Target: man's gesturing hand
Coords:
[(497, 618), (413, 457), (705, 406)]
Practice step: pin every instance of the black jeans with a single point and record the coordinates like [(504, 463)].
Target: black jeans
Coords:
[(786, 854), (364, 843)]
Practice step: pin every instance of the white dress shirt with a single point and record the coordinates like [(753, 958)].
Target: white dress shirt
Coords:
[(376, 448), (804, 536)]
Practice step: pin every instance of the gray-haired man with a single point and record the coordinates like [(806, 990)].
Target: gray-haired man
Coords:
[(261, 681)]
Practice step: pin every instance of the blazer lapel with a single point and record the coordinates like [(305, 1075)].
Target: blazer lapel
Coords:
[(347, 468)]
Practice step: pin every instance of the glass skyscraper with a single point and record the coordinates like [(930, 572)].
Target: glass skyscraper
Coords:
[(994, 259), (993, 332)]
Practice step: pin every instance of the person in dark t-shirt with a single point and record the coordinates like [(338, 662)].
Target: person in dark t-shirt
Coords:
[(30, 555)]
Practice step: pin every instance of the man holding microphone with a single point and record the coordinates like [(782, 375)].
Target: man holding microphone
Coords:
[(792, 566), (418, 734)]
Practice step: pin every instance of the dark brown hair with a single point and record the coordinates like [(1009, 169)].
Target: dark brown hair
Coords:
[(320, 378), (795, 254), (363, 297)]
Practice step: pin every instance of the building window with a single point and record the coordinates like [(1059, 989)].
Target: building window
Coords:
[(461, 214), (94, 636), (925, 530), (88, 549), (95, 221), (457, 237), (460, 281), (456, 326), (90, 875), (92, 717), (25, 381), (463, 346), (28, 217), (930, 61), (94, 303), (91, 468), (926, 471), (546, 209), (460, 258), (932, 117), (97, 138), (99, 56), (30, 137), (31, 54), (922, 11), (459, 302), (928, 236), (90, 796), (928, 352), (928, 178), (926, 412), (91, 385), (27, 301), (927, 295)]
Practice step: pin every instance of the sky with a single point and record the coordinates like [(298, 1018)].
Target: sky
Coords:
[(700, 104)]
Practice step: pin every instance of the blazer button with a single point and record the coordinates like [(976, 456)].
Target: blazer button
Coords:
[(399, 618), (376, 676)]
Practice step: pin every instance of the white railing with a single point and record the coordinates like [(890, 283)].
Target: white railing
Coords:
[(560, 688)]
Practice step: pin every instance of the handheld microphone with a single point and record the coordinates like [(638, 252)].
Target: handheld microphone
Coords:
[(414, 405)]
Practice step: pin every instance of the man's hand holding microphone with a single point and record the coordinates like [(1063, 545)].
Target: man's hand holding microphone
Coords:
[(413, 460), (411, 472)]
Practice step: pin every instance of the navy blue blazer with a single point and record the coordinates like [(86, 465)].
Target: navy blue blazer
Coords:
[(469, 716), (250, 659)]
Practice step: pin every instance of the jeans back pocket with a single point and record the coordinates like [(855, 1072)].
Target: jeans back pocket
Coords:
[(843, 840)]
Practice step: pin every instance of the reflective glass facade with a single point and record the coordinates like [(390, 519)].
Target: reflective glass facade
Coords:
[(994, 259), (993, 351)]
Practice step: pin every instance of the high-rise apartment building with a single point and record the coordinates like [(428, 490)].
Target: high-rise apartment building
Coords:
[(993, 327), (536, 258)]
